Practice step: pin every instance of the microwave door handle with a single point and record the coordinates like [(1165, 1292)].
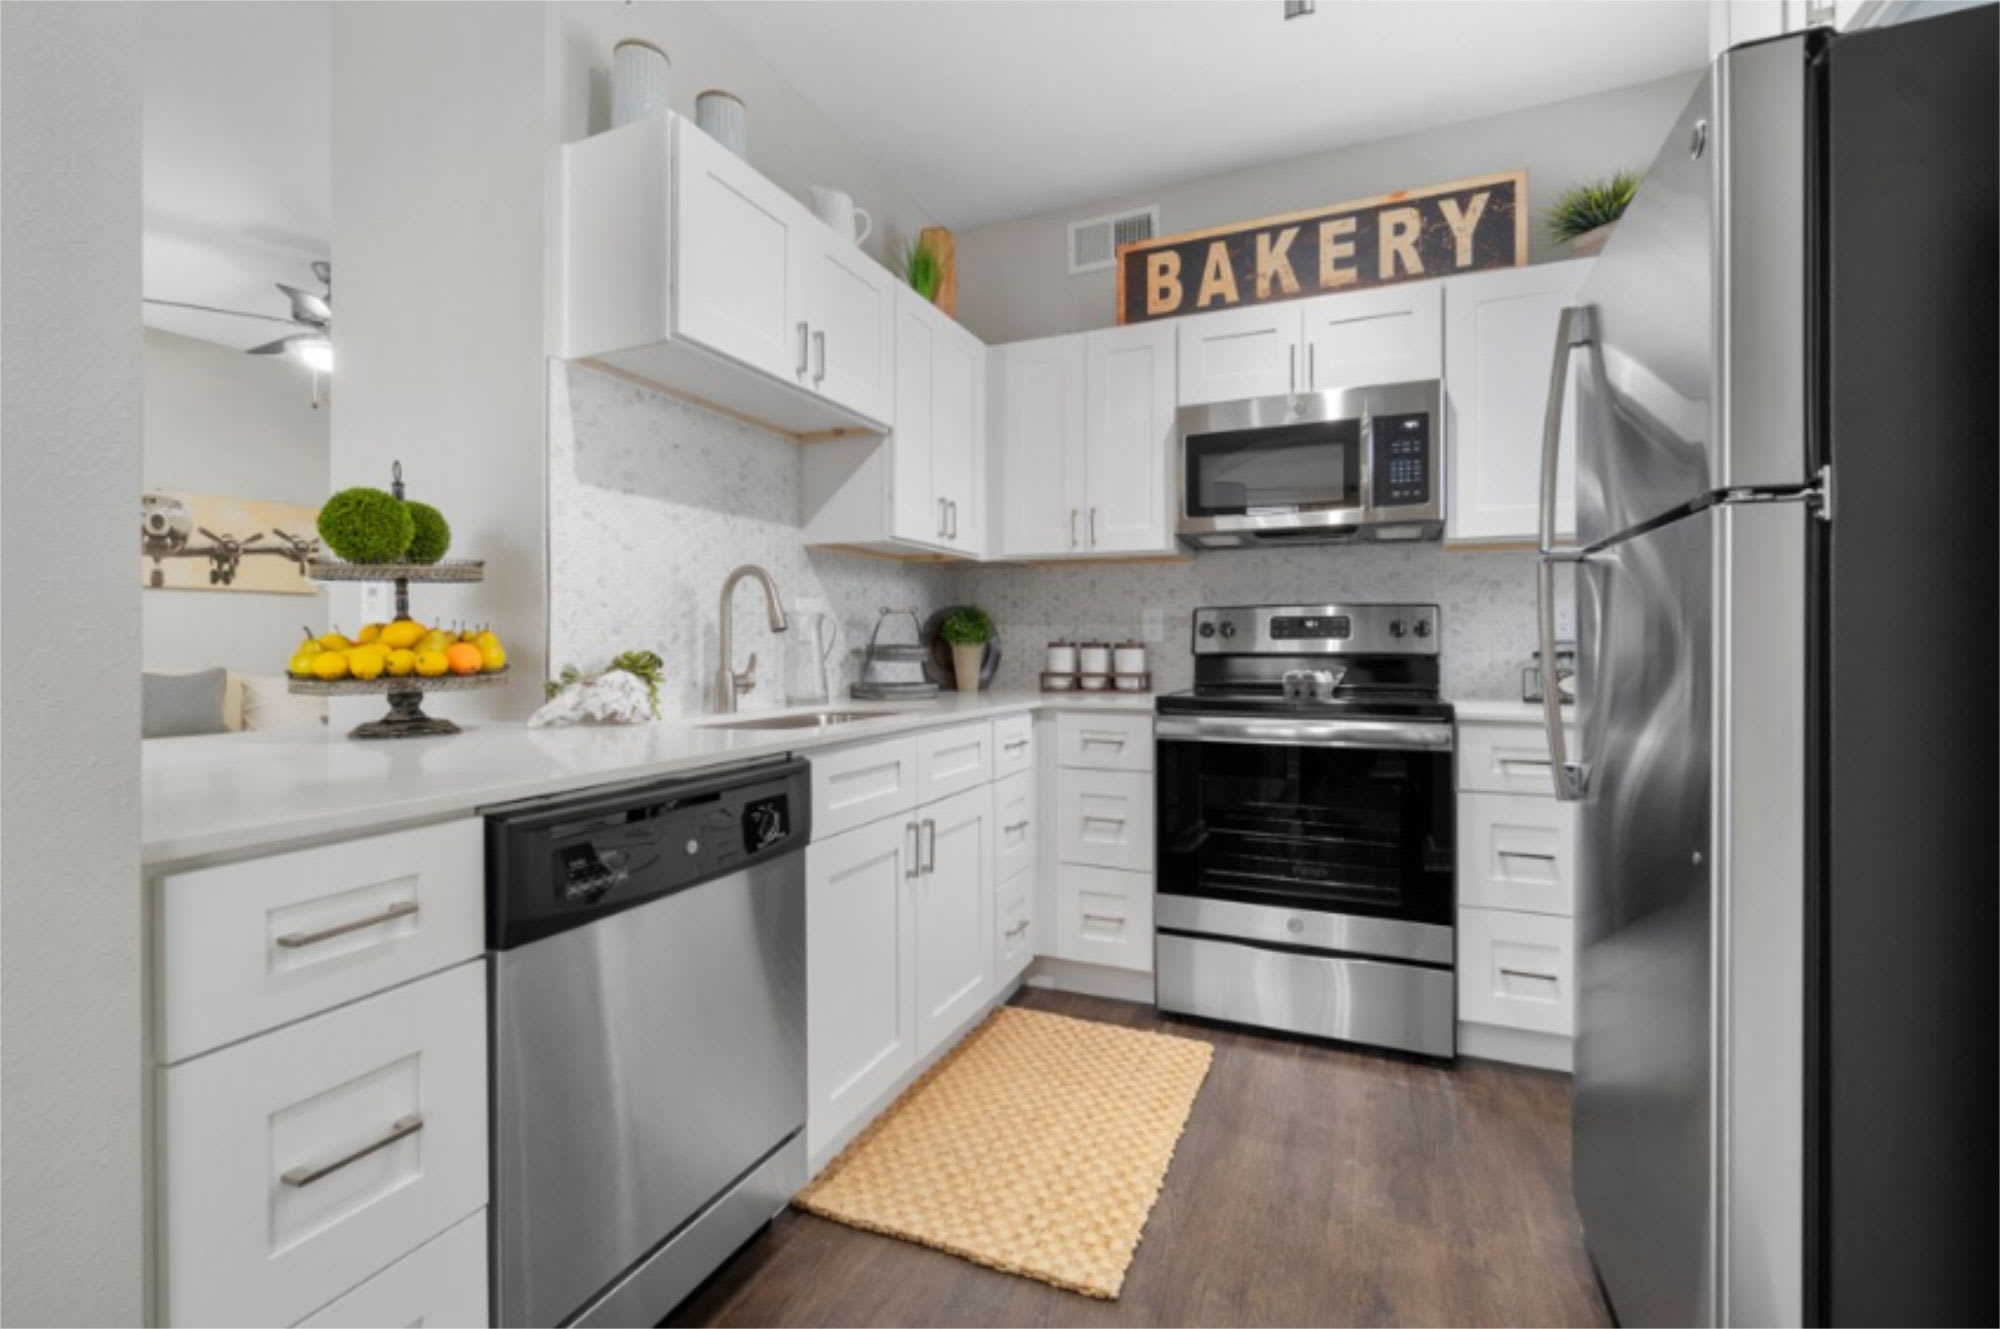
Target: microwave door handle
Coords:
[(1573, 329)]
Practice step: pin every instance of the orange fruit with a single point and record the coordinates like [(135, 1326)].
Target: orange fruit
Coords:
[(463, 657)]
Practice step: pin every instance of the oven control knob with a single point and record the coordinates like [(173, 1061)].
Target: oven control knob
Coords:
[(1228, 628), (1423, 627), (1208, 629), (1396, 628)]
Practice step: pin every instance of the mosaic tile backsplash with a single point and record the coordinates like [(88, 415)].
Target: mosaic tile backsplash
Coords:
[(652, 501)]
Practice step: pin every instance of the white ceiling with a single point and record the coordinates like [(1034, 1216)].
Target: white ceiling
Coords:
[(238, 154), (986, 110)]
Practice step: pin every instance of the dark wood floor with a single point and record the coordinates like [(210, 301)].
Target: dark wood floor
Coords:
[(1314, 1186)]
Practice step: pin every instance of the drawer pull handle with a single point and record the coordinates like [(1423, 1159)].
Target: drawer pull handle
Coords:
[(1017, 826), (1104, 740), (1533, 763), (1527, 973), (291, 941), (1089, 917), (1108, 821), (1016, 745), (1523, 853), (402, 1130), (1017, 929)]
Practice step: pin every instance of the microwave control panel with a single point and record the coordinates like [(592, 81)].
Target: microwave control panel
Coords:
[(1402, 457)]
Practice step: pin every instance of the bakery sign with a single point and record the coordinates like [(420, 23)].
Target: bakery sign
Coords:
[(1405, 236)]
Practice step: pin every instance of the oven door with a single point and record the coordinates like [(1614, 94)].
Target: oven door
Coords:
[(1335, 835)]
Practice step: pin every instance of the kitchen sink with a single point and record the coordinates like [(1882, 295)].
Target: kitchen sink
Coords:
[(806, 720)]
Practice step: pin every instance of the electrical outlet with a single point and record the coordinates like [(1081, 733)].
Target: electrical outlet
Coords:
[(378, 603), (1153, 625)]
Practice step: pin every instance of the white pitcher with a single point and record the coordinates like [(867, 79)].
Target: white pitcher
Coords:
[(837, 210)]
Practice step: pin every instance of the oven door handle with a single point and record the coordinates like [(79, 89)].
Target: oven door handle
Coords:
[(1293, 732)]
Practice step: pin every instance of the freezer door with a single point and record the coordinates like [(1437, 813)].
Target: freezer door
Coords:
[(1696, 378), (1643, 1162)]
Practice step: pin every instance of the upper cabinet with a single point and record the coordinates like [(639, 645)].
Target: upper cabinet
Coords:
[(922, 489), (685, 267), (1391, 334), (1084, 437), (1500, 334)]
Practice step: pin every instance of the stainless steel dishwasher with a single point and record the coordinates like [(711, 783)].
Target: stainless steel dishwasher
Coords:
[(648, 1038)]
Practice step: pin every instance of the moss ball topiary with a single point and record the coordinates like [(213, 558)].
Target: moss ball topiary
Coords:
[(366, 526), (432, 533)]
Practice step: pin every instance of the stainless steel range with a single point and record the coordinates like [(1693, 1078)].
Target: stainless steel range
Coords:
[(1306, 819)]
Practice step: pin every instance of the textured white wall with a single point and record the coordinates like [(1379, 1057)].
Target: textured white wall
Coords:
[(652, 501), (72, 1165), (1013, 278), (218, 421)]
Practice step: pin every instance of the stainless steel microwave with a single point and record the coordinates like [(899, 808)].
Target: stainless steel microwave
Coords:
[(1314, 468)]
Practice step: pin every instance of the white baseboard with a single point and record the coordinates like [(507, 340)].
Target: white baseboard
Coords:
[(1522, 1047), (1090, 980)]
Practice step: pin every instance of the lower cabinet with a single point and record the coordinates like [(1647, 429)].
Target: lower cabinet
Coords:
[(441, 1282), (1014, 941), (1517, 971), (1105, 916), (954, 888)]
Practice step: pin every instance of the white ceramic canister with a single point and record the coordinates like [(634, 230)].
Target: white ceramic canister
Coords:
[(1061, 658), (639, 81), (722, 117), (1093, 666), (1129, 661)]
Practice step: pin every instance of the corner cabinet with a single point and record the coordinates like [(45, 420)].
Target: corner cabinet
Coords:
[(1499, 343), (1083, 430), (686, 268)]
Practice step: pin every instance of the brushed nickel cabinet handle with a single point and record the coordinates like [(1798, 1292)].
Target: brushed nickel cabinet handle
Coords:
[(801, 371), (402, 1129), (1018, 928), (1312, 370), (1528, 973), (916, 868), (1072, 528), (930, 859), (1093, 528), (1294, 373), (1103, 918), (291, 941), (1016, 745), (819, 352), (951, 512), (1017, 826), (1108, 821), (940, 529)]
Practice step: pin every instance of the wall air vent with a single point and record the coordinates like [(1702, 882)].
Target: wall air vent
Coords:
[(1093, 244)]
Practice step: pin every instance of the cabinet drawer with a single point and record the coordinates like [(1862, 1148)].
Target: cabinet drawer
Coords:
[(1105, 917), (1105, 819), (1506, 758), (1014, 946), (1014, 826), (249, 946), (950, 761), (441, 1282), (1110, 742), (854, 786), (1517, 970), (1013, 744), (1517, 852), (298, 1164)]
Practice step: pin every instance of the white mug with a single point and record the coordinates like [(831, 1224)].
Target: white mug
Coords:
[(837, 210)]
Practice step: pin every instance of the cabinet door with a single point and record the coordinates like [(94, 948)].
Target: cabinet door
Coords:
[(954, 914), (1130, 438), (861, 1008), (1014, 938), (850, 313), (739, 248), (1499, 336), (1517, 851), (1517, 970), (917, 504), (1391, 335), (1239, 353), (1014, 820), (1106, 819), (1105, 917), (1040, 439), (958, 434)]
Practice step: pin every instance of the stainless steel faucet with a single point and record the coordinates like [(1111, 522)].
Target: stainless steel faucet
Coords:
[(729, 685)]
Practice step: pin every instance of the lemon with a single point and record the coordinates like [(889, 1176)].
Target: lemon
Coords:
[(329, 665), (368, 634), (333, 641), (432, 663), (492, 658), (367, 661), (401, 662), (403, 634)]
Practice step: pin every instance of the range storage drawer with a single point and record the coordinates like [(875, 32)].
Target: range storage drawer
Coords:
[(441, 1282), (1013, 744), (1105, 819), (1108, 741), (1105, 917), (1014, 826), (1517, 970), (1503, 758), (1517, 852), (249, 946), (951, 761), (297, 1165), (854, 786)]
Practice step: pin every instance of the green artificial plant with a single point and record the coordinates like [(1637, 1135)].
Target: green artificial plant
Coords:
[(921, 270), (366, 526), (1594, 203), (968, 626)]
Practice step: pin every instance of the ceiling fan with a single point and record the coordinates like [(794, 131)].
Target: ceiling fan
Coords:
[(312, 314)]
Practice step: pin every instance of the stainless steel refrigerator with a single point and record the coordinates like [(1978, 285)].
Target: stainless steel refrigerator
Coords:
[(1784, 365)]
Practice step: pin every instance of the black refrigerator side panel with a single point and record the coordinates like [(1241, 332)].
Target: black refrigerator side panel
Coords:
[(1907, 1036)]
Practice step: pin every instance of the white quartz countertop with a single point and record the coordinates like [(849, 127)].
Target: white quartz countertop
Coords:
[(228, 795)]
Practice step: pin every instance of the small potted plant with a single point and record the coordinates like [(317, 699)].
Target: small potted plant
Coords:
[(1585, 215), (967, 631)]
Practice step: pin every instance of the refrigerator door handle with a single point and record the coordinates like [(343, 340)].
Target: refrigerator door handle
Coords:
[(1572, 330)]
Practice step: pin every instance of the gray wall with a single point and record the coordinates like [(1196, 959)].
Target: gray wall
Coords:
[(1013, 277), (72, 959), (222, 422)]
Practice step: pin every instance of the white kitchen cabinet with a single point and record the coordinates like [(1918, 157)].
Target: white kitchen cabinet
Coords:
[(1039, 434), (853, 786), (298, 1164), (861, 964), (1106, 819), (954, 759), (1517, 970), (1083, 437), (954, 913), (1388, 334), (1104, 917), (850, 318), (1499, 343), (1516, 851), (1105, 740), (1014, 942), (441, 1282), (1013, 744), (1507, 758), (1015, 826)]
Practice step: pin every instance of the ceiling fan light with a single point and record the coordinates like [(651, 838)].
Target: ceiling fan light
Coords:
[(315, 353)]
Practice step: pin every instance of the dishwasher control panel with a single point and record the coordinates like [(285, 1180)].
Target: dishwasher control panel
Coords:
[(556, 865)]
